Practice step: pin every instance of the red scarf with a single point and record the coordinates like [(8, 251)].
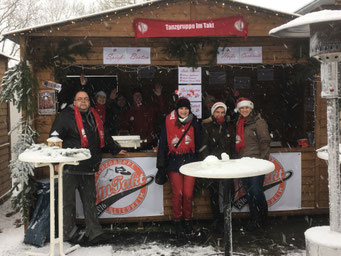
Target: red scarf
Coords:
[(220, 120), (174, 133), (240, 142), (79, 121), (101, 111)]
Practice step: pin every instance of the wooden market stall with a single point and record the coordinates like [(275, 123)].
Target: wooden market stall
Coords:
[(287, 95), (5, 146)]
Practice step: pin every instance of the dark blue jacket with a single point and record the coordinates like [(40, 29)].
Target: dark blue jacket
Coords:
[(172, 162)]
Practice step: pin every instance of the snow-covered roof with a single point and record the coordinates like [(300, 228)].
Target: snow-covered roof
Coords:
[(299, 27), (313, 5), (23, 31), (73, 19), (269, 9)]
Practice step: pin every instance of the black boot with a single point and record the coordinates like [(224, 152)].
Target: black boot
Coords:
[(179, 230), (188, 225)]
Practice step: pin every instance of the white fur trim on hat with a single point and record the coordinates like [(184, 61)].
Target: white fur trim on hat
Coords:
[(101, 93), (218, 105), (244, 103)]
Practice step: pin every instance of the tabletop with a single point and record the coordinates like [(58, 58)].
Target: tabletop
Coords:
[(228, 169), (40, 153)]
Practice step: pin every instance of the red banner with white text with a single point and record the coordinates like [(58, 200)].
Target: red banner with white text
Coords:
[(169, 28)]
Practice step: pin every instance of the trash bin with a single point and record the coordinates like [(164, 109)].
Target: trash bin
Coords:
[(38, 230)]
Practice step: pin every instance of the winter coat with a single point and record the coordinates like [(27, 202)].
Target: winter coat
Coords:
[(217, 139), (142, 120), (172, 162), (65, 125), (257, 138), (113, 117)]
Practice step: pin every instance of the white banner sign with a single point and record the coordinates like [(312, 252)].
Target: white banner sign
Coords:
[(250, 55), (282, 187), (191, 92), (122, 55), (237, 55), (228, 55), (196, 108), (189, 75), (126, 188)]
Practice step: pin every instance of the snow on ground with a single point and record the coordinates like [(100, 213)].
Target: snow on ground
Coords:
[(11, 244)]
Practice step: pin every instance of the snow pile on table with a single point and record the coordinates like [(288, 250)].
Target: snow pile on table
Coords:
[(214, 168), (42, 153)]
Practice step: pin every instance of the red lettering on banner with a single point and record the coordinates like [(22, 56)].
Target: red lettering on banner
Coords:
[(134, 56), (119, 184), (227, 26)]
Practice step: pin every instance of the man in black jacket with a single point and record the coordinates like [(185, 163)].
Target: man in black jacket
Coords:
[(79, 126)]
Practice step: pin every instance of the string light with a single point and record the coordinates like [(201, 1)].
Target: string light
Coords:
[(135, 69)]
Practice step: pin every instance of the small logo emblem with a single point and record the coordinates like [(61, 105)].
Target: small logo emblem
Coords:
[(239, 25), (142, 27)]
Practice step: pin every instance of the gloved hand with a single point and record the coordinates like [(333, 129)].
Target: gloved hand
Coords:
[(161, 176)]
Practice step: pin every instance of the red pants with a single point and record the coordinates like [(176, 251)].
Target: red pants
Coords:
[(182, 190)]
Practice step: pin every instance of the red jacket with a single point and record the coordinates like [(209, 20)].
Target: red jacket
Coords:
[(174, 133)]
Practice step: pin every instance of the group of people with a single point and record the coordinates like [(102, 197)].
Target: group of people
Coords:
[(140, 118), (183, 140)]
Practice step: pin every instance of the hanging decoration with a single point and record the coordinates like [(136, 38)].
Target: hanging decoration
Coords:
[(186, 49), (57, 55), (20, 87), (24, 185)]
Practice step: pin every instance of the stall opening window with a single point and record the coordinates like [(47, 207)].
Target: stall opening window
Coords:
[(89, 83)]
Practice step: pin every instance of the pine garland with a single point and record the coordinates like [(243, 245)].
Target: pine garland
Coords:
[(24, 186), (20, 87), (186, 49), (56, 55)]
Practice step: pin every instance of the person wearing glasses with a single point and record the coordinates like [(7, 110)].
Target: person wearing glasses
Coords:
[(80, 126)]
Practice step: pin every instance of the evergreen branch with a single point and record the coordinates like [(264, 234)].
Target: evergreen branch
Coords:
[(20, 87)]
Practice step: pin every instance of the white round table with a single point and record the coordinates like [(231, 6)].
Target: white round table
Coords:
[(41, 155), (212, 168)]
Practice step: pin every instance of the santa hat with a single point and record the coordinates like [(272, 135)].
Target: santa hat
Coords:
[(243, 102), (218, 105)]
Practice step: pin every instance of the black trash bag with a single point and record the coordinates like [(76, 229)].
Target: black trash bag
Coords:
[(38, 230)]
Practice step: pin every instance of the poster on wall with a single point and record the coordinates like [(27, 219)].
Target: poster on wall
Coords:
[(189, 75), (282, 187), (196, 108), (126, 55), (250, 55), (239, 55), (228, 55), (191, 92), (126, 188), (47, 102)]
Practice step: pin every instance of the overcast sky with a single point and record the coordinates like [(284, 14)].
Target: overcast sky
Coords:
[(281, 5)]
